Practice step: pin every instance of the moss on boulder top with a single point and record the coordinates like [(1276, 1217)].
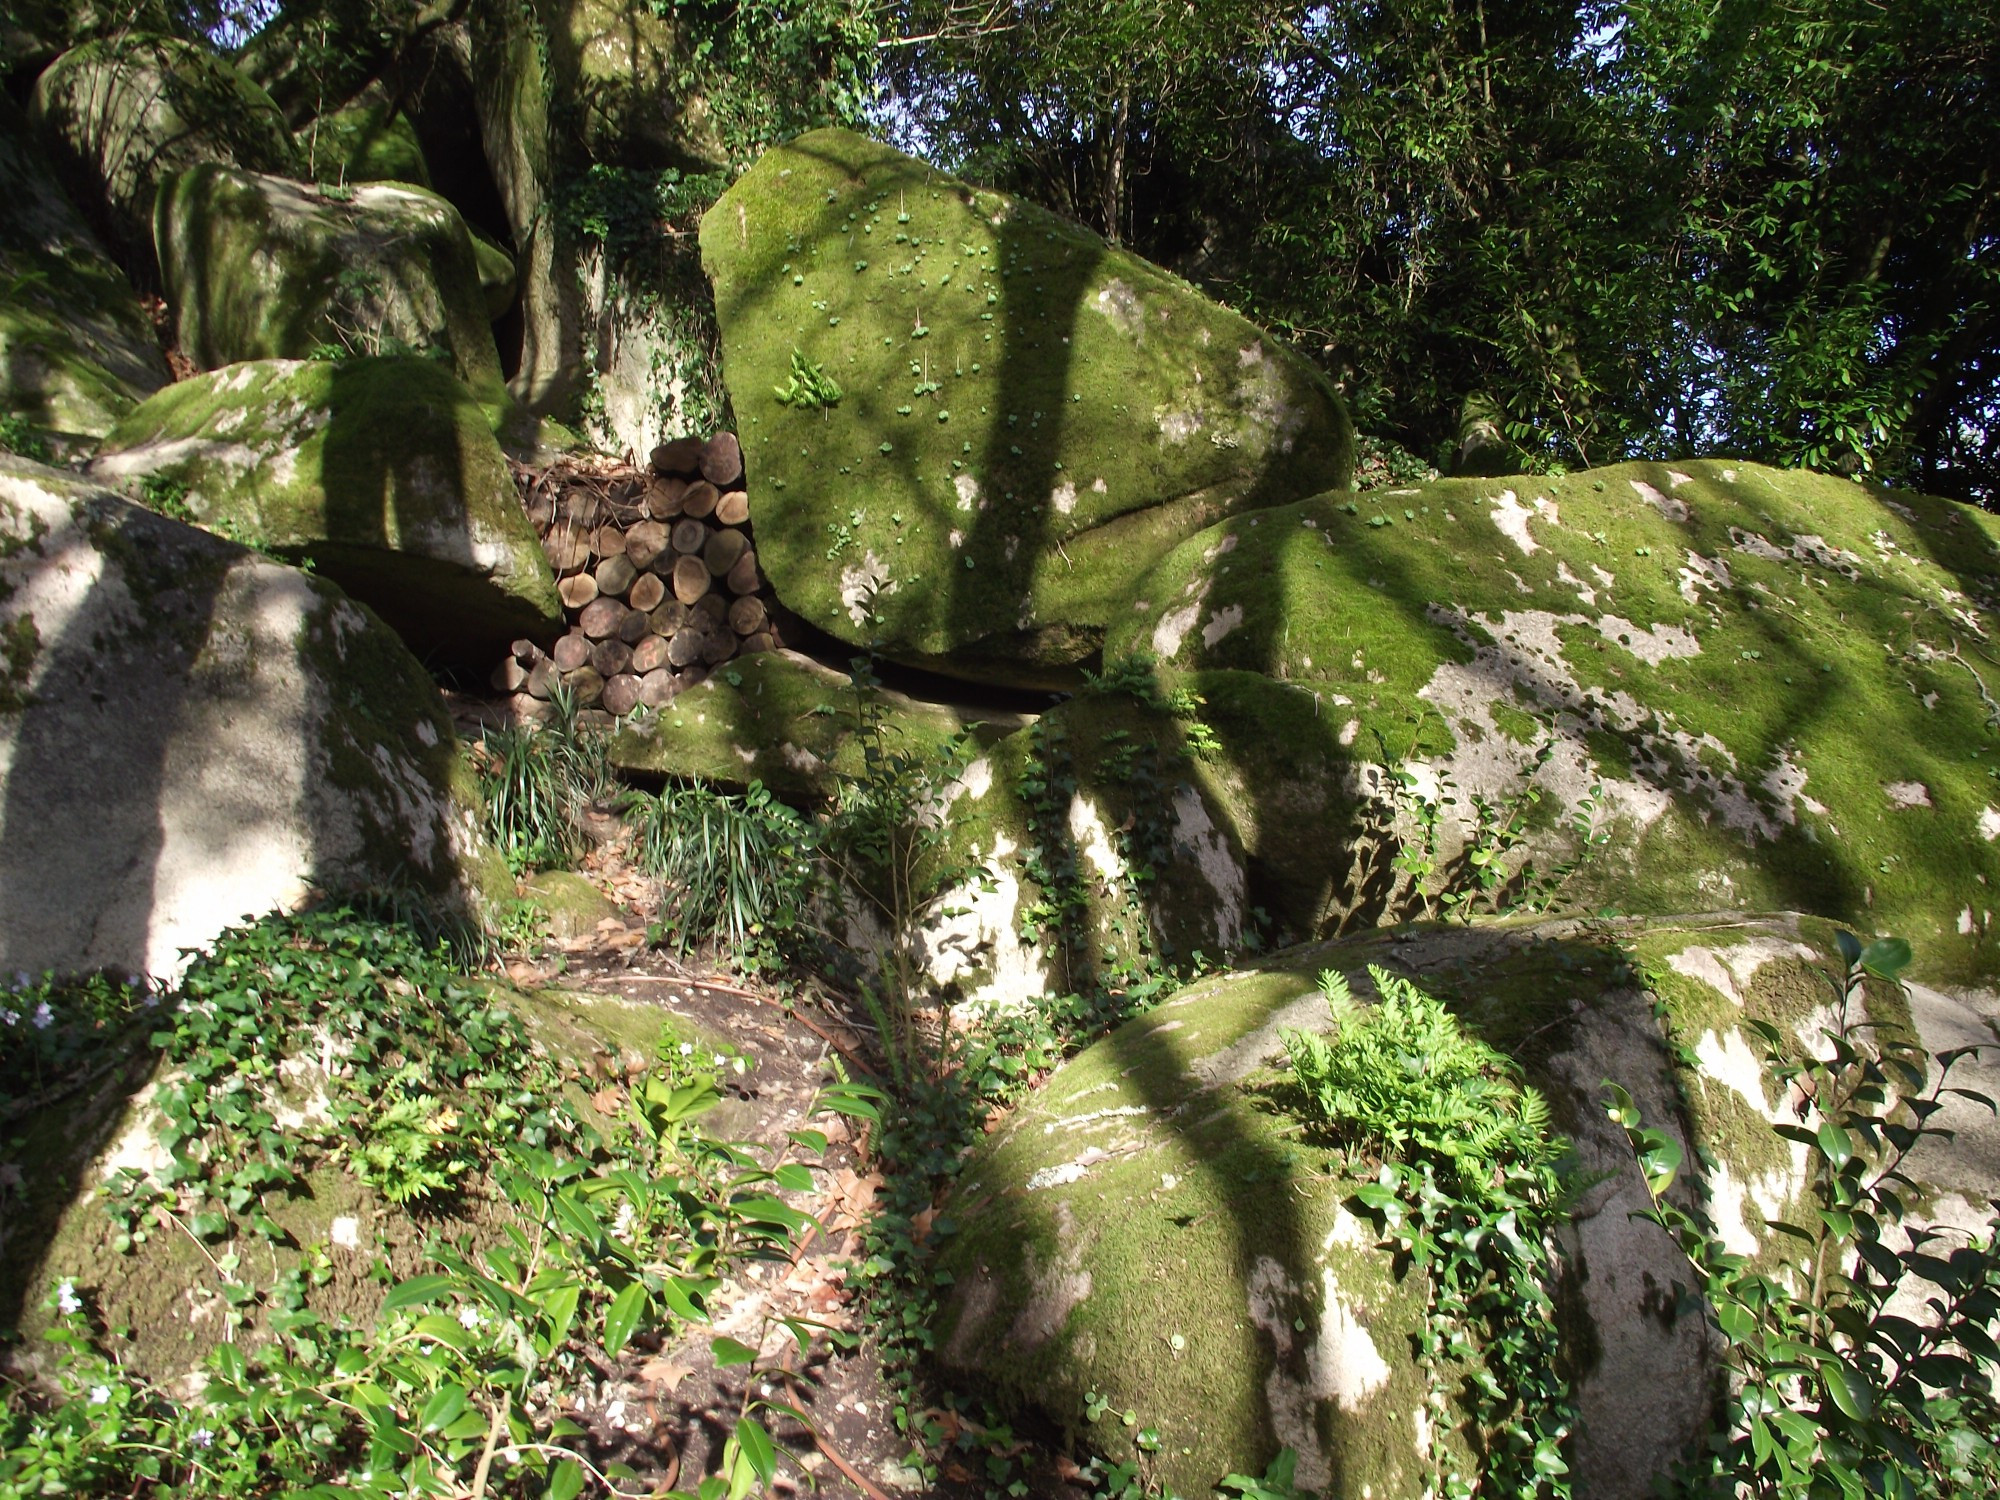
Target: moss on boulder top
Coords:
[(123, 114), (1155, 1226), (76, 350), (262, 267), (620, 69), (384, 472), (1771, 690), (789, 722), (189, 731), (1026, 416)]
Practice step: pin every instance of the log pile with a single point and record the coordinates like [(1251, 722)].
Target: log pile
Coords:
[(657, 573)]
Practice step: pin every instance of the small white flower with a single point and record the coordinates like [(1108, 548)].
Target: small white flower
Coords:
[(44, 1017), (687, 1049), (203, 1438), (469, 1317), (622, 1225), (721, 1061), (67, 1300), (100, 1395), (8, 1018)]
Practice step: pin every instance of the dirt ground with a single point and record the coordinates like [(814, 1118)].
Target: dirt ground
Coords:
[(667, 1409)]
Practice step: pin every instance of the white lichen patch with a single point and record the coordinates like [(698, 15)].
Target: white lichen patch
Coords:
[(1221, 623), (1989, 823), (861, 583), (967, 489), (1117, 301), (1729, 971), (1177, 426), (1729, 1061), (1063, 498), (1651, 645), (1173, 625), (1700, 573), (1342, 1364), (1196, 835), (1907, 794), (973, 940), (1091, 839), (1671, 506), (1742, 1208), (1511, 518)]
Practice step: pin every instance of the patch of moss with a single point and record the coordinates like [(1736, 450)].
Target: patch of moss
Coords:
[(383, 472), (1704, 637), (1027, 416)]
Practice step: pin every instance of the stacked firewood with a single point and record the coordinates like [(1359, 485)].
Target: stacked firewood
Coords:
[(656, 571)]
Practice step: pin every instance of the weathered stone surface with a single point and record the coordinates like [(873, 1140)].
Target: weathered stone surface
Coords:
[(1150, 1227), (367, 140), (382, 471), (1761, 689), (123, 114), (76, 350), (262, 267), (189, 732), (571, 903), (1027, 417)]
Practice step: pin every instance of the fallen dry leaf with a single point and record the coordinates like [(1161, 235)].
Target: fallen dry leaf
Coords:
[(608, 1101), (664, 1373)]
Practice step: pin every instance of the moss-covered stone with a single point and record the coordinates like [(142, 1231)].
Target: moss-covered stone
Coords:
[(367, 140), (1155, 1226), (621, 69), (571, 904), (384, 472), (201, 733), (76, 350), (1027, 417), (265, 268), (123, 114), (1767, 688), (789, 722)]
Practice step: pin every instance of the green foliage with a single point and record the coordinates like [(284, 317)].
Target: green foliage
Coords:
[(167, 496), (24, 439), (1472, 1191), (537, 780), (810, 388), (627, 209), (1839, 1384), (771, 70), (739, 870), (459, 1386)]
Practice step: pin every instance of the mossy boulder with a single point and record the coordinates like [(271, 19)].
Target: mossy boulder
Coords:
[(1755, 689), (1026, 416), (789, 722), (121, 115), (76, 350), (383, 472), (367, 140), (265, 268), (620, 69), (1155, 1225), (190, 732), (571, 904)]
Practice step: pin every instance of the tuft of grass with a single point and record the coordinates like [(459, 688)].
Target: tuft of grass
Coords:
[(538, 780), (740, 870)]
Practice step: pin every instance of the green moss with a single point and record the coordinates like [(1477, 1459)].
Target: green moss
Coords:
[(1705, 637), (1028, 417), (263, 268), (572, 904), (382, 472), (788, 722)]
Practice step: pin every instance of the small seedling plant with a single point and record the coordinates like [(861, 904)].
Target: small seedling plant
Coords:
[(1864, 1366), (1471, 1188)]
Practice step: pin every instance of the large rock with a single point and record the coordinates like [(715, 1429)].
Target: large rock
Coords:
[(383, 472), (621, 66), (123, 114), (76, 350), (1026, 419), (189, 732), (265, 268), (1152, 1228), (368, 140), (1763, 690)]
